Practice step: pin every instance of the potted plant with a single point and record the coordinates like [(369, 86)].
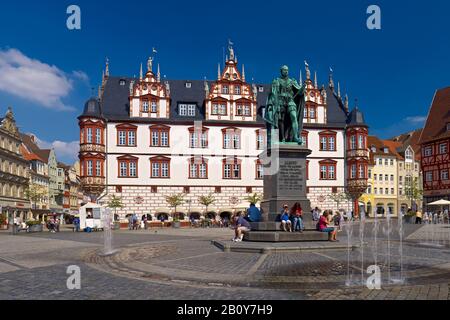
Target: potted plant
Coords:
[(35, 226), (3, 222)]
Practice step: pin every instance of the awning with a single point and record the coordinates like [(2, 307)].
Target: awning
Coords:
[(441, 202), (40, 211)]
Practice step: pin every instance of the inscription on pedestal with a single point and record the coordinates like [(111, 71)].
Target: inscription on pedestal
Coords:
[(290, 177)]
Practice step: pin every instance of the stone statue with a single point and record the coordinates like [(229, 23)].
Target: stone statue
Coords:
[(150, 64), (284, 108)]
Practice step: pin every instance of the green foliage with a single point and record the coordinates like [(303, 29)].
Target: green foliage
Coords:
[(207, 200), (115, 202), (413, 190), (35, 192), (174, 201), (254, 198), (339, 197), (33, 223)]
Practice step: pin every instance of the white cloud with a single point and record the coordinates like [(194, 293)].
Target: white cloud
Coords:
[(416, 119), (65, 151), (36, 81), (81, 76)]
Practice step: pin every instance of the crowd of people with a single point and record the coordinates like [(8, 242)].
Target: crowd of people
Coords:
[(291, 221), (430, 217)]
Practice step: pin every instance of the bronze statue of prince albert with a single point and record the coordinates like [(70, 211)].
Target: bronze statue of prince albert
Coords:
[(284, 109)]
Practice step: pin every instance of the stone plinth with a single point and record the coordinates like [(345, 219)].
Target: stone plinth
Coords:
[(288, 184)]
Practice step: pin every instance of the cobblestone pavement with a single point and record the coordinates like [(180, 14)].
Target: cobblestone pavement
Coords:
[(183, 264)]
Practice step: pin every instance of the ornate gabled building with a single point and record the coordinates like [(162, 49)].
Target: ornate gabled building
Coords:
[(14, 176), (435, 146), (146, 138)]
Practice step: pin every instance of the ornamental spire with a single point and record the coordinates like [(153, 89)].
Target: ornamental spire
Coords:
[(301, 77), (315, 79), (243, 72), (107, 68), (158, 75), (346, 103), (218, 71), (331, 81), (141, 73), (339, 90)]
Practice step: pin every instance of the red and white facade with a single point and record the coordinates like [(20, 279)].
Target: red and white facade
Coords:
[(435, 148), (200, 138)]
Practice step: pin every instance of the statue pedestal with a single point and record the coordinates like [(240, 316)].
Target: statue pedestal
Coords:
[(288, 184)]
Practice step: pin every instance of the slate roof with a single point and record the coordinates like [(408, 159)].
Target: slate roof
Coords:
[(409, 139), (438, 117), (356, 118), (114, 105)]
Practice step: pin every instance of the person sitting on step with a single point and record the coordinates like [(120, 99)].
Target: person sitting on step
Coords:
[(286, 223), (324, 226)]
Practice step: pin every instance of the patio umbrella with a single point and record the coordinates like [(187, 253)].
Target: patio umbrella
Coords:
[(440, 203)]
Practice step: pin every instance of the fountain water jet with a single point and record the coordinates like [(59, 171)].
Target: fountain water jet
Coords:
[(362, 222), (107, 233)]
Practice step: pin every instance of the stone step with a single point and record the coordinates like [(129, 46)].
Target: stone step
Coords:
[(269, 236), (274, 226)]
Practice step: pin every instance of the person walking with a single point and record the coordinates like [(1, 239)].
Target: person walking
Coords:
[(130, 222), (418, 217), (76, 223), (145, 220)]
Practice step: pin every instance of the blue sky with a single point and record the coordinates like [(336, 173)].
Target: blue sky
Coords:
[(47, 71)]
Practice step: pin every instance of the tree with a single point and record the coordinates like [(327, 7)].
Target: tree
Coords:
[(339, 197), (35, 193), (254, 198), (175, 201), (207, 201), (413, 191), (114, 203)]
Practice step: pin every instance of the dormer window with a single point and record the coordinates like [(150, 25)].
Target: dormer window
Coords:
[(225, 90), (145, 106), (154, 106), (188, 85), (261, 89), (386, 150), (187, 110), (122, 82), (373, 149)]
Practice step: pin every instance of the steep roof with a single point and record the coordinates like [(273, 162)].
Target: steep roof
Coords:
[(380, 145), (409, 139), (438, 118), (393, 147), (115, 106), (32, 146), (356, 118), (28, 155)]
